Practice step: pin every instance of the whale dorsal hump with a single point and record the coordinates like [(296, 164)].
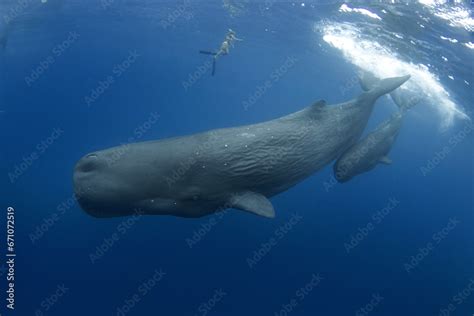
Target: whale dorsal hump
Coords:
[(319, 104), (254, 203)]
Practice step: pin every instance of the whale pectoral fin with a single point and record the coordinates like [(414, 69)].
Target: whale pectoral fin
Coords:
[(254, 203), (385, 160)]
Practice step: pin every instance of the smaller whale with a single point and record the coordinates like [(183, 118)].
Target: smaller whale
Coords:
[(373, 149)]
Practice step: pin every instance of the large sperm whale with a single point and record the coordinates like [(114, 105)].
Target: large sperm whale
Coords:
[(374, 148), (239, 167)]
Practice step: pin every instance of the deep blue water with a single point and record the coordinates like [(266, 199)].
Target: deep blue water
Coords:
[(432, 220)]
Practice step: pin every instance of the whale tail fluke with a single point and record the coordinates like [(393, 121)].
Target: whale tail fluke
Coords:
[(375, 88), (367, 80), (403, 101), (387, 85)]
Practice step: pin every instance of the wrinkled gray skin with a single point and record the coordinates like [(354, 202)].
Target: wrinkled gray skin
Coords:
[(370, 151), (253, 162)]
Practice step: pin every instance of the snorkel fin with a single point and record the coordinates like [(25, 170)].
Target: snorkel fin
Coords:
[(213, 67), (205, 52)]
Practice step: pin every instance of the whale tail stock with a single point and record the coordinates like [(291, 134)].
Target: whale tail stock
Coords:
[(375, 88)]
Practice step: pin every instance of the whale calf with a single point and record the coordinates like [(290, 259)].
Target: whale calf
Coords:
[(237, 167), (373, 149)]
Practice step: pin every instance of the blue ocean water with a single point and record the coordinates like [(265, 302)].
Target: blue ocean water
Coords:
[(79, 76)]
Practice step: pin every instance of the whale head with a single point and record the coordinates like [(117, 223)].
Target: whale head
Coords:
[(131, 179), (99, 189)]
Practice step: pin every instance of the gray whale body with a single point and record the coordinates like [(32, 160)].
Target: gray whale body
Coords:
[(238, 167), (374, 148)]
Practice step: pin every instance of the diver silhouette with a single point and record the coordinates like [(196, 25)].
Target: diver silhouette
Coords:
[(228, 42)]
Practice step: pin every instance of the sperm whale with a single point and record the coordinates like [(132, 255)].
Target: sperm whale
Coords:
[(237, 167)]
